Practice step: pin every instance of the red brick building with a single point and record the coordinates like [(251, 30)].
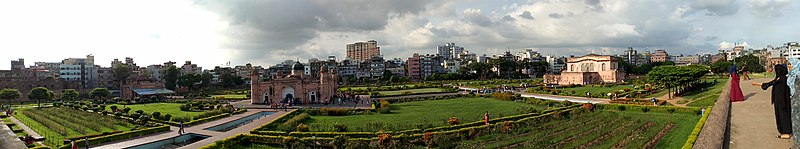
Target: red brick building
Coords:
[(297, 86)]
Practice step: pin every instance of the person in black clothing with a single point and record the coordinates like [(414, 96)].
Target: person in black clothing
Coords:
[(781, 101)]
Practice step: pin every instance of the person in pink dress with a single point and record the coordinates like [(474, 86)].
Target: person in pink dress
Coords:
[(736, 91)]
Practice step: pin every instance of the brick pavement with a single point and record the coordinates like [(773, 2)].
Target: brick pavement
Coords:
[(752, 121)]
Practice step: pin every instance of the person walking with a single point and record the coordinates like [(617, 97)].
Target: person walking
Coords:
[(781, 101), (180, 128), (486, 117), (735, 91)]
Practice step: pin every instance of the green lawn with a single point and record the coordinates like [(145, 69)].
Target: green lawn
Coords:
[(596, 90), (365, 87), (427, 113), (413, 91), (173, 109), (707, 96), (254, 146)]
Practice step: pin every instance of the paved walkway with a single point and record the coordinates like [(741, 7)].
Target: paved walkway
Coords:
[(8, 139), (198, 129), (26, 128), (753, 120)]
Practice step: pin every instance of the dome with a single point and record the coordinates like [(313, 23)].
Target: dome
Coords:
[(298, 66)]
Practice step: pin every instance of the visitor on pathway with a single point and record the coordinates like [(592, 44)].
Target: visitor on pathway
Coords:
[(654, 101), (744, 73), (781, 101), (588, 94), (486, 117), (736, 91), (180, 128)]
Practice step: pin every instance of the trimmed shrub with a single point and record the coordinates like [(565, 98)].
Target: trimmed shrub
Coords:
[(166, 117), (156, 115), (126, 110), (302, 128), (140, 111), (453, 121), (339, 127)]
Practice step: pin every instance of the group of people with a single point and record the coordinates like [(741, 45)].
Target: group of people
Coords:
[(781, 93)]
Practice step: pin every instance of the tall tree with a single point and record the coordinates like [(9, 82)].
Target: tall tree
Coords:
[(9, 94), (121, 73), (39, 94), (750, 63), (387, 75), (205, 78), (171, 77), (721, 67), (70, 94), (100, 93), (189, 81)]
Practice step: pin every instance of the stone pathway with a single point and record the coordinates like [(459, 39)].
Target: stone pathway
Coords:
[(26, 128), (8, 139), (198, 129), (753, 120)]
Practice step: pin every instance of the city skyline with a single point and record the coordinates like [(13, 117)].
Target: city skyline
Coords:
[(267, 32)]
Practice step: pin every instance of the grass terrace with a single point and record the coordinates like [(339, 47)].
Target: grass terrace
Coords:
[(230, 96), (57, 123), (430, 113), (165, 108), (411, 91), (706, 96), (595, 90), (365, 87)]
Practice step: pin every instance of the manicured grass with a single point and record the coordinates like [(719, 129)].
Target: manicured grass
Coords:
[(762, 75), (229, 96), (596, 90), (584, 128), (428, 113), (365, 87), (173, 109), (707, 96), (413, 91)]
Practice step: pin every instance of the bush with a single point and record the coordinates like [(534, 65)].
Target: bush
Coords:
[(126, 110), (339, 127), (302, 128), (181, 119), (186, 107), (208, 114), (136, 115), (140, 111), (156, 115), (453, 121), (166, 117), (117, 136), (384, 103), (294, 121), (114, 108)]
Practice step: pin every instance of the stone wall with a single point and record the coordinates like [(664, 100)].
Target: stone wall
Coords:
[(713, 134)]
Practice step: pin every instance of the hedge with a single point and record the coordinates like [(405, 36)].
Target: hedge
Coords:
[(690, 142), (118, 136), (273, 124), (226, 143), (446, 90), (668, 109), (334, 134)]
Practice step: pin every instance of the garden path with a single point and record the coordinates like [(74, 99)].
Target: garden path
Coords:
[(752, 121), (673, 101), (8, 139), (198, 129), (554, 97), (26, 128)]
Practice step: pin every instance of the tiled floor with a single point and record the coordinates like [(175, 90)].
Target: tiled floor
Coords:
[(198, 129)]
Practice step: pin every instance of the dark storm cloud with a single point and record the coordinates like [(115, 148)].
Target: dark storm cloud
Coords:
[(278, 26), (526, 15)]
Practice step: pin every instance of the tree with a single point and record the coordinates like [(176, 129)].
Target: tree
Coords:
[(39, 94), (121, 73), (70, 94), (171, 77), (750, 63), (189, 81), (9, 94), (721, 67), (100, 93), (387, 75), (205, 79), (477, 70)]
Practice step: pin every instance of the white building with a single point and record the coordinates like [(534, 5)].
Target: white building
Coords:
[(79, 69), (555, 64), (189, 68), (450, 51), (792, 50)]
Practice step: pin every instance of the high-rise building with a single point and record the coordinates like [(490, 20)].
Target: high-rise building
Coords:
[(450, 51), (363, 51), (79, 69), (793, 50), (189, 68)]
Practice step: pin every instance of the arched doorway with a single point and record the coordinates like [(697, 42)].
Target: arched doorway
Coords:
[(312, 96), (266, 98), (287, 94)]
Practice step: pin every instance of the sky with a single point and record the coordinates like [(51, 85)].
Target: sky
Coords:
[(266, 32)]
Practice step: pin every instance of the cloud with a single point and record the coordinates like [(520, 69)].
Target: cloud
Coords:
[(555, 15), (768, 8), (475, 16), (526, 15), (717, 7)]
